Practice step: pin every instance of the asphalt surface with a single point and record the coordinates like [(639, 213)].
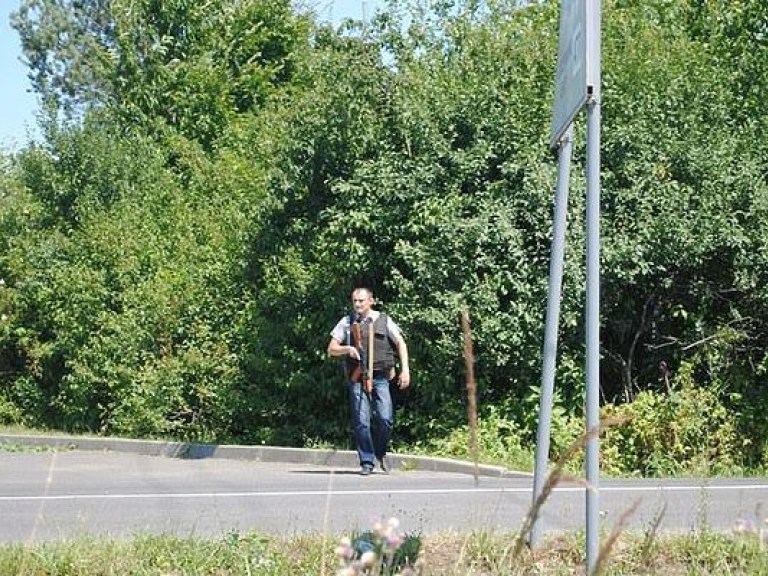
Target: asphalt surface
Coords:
[(55, 487)]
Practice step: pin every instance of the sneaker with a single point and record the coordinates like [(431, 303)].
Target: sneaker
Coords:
[(366, 469), (385, 465)]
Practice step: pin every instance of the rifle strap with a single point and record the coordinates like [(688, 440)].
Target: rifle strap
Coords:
[(370, 350)]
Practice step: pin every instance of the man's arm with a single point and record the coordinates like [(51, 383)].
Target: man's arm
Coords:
[(336, 349), (405, 372)]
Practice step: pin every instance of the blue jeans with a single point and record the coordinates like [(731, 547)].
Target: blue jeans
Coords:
[(371, 428)]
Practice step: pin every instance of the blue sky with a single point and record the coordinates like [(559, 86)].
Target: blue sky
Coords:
[(18, 105)]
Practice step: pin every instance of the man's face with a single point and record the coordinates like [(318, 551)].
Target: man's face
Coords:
[(362, 302)]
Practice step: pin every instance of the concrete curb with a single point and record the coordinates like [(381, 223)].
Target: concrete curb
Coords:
[(193, 450)]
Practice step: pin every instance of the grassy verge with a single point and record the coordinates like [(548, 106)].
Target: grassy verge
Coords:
[(475, 554)]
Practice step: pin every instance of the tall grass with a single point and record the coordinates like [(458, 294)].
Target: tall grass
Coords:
[(480, 553)]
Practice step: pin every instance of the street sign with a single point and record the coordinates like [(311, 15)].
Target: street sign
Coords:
[(571, 79), (577, 85)]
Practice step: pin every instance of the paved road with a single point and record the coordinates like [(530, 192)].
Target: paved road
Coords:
[(55, 495)]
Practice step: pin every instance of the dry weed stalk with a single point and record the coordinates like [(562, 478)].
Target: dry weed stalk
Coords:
[(618, 529), (652, 535), (557, 475), (469, 361)]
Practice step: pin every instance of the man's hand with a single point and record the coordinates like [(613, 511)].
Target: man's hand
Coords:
[(405, 379)]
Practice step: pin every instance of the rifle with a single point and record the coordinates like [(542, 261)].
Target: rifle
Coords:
[(357, 375)]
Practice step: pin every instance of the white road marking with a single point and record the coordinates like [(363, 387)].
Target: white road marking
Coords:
[(434, 491)]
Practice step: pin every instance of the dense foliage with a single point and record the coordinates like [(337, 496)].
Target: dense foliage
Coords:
[(215, 178)]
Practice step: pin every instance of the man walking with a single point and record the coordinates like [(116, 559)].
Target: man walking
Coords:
[(368, 340)]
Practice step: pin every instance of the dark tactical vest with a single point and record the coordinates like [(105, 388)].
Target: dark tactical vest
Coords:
[(383, 348)]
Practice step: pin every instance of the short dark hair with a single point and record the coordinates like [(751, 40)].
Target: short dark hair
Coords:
[(363, 288)]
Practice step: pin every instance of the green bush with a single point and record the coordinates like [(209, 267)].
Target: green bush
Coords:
[(684, 431)]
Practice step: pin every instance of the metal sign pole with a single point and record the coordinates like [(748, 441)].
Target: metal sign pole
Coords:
[(593, 285), (577, 83), (565, 152), (593, 334)]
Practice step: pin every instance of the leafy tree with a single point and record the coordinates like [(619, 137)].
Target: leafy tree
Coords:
[(182, 64), (66, 44), (175, 260)]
